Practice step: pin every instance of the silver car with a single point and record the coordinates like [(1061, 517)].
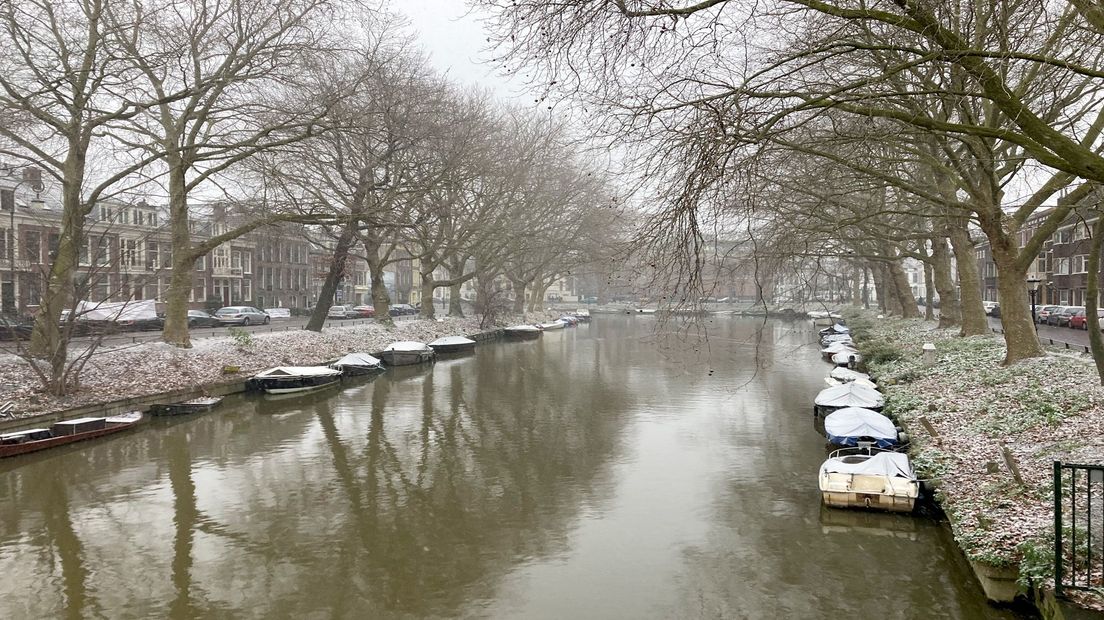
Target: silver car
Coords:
[(241, 315)]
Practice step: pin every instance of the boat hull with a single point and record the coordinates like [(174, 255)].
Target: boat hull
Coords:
[(291, 385), (868, 492), (54, 442), (522, 335), (452, 349), (406, 358), (185, 408), (358, 371)]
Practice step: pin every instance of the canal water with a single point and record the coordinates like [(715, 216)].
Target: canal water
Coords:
[(614, 470)]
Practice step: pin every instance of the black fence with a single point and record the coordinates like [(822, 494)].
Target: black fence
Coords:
[(1078, 526)]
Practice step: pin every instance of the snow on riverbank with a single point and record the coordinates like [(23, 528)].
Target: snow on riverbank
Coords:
[(1042, 409), (124, 371)]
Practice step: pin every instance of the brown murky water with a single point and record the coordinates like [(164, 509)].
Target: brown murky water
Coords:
[(600, 472)]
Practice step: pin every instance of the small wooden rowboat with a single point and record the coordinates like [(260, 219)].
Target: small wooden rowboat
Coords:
[(65, 432), (195, 405)]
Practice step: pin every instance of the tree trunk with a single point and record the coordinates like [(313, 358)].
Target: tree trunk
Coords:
[(1092, 294), (880, 291), (519, 296), (857, 286), (971, 311), (337, 271), (180, 282), (944, 283), (909, 310), (1020, 338), (428, 286), (456, 308), (929, 292), (381, 300)]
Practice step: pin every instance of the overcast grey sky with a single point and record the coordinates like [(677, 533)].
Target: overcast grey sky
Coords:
[(454, 40)]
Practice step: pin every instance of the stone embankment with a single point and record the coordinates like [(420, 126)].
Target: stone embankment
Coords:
[(126, 373), (1041, 410)]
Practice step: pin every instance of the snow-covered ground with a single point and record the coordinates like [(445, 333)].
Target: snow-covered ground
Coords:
[(1043, 410), (124, 371)]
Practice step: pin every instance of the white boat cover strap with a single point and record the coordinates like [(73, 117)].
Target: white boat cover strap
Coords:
[(890, 464), (859, 422)]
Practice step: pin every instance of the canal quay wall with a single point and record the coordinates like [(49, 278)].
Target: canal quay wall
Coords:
[(985, 437), (135, 377)]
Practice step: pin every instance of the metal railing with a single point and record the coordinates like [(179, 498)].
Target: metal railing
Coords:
[(1078, 526)]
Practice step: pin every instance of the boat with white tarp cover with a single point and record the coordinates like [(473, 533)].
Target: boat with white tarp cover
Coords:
[(453, 344), (881, 480), (355, 364), (837, 347), (855, 426), (836, 328), (522, 332), (289, 379), (846, 358), (406, 353), (847, 395), (845, 375)]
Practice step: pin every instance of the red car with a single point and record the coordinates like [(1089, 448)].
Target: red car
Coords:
[(1081, 321), (365, 311)]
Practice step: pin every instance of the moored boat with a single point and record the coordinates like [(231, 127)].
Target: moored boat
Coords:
[(406, 353), (452, 344), (582, 315), (290, 379), (847, 395), (65, 432), (356, 364), (847, 358), (837, 347), (195, 405), (853, 427), (554, 325), (522, 332), (854, 478)]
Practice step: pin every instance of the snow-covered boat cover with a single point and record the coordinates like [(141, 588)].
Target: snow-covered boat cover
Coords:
[(837, 338), (844, 357), (522, 328), (889, 464), (451, 340), (817, 314), (357, 359), (841, 329), (859, 422), (846, 374), (582, 312), (836, 347), (557, 324), (297, 371), (850, 395), (408, 346)]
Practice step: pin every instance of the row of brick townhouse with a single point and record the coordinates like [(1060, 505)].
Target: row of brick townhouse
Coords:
[(1061, 266)]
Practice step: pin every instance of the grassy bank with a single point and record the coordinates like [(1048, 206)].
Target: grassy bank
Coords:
[(1043, 410)]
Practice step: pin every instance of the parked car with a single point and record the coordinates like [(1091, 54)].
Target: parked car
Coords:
[(342, 312), (199, 318), (989, 305), (1080, 321), (1067, 314), (994, 311), (365, 312), (1052, 317), (13, 329), (402, 309), (155, 323), (241, 315), (1042, 312)]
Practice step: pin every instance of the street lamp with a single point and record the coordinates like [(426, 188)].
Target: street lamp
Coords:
[(1033, 290)]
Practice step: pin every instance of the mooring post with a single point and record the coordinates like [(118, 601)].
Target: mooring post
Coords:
[(929, 354)]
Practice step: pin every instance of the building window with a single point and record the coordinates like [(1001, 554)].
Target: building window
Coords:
[(199, 290), (52, 242), (7, 199), (7, 248), (132, 253), (1062, 236), (151, 256), (201, 264), (1061, 267), (1080, 231), (166, 256), (221, 258), (1063, 297), (247, 290), (247, 262), (32, 247), (1081, 263), (235, 291), (139, 217)]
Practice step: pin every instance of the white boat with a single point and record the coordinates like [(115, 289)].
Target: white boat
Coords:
[(853, 478), (837, 347), (453, 344), (358, 364), (557, 324), (831, 382), (846, 358), (847, 395), (857, 427), (829, 339), (846, 375), (835, 328), (289, 379), (407, 352), (522, 332), (582, 314)]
